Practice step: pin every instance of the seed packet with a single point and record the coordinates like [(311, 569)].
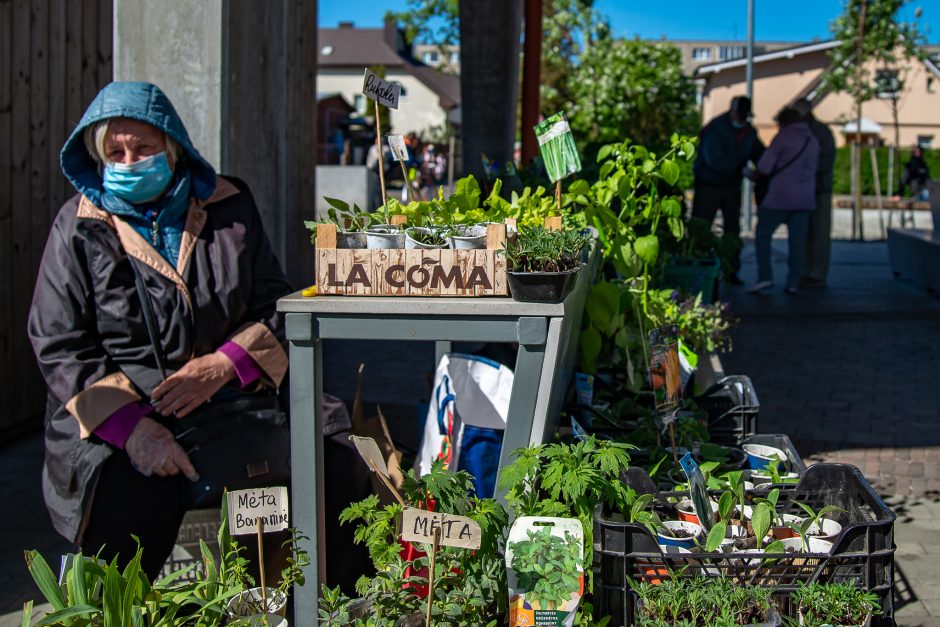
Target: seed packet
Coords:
[(544, 558), (556, 144), (665, 373)]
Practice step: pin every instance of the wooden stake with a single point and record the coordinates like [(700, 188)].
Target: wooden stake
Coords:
[(264, 591), (437, 542), (558, 194), (378, 143), (404, 171)]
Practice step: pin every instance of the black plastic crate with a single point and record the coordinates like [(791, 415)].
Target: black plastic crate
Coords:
[(733, 409), (862, 554)]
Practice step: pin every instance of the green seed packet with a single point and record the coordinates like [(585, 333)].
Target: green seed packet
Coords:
[(557, 146)]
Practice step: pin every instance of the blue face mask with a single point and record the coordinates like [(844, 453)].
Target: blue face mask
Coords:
[(140, 181)]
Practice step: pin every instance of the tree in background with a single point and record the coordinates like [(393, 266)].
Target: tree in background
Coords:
[(632, 89), (871, 35)]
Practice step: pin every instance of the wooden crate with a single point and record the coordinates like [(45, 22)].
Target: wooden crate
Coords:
[(420, 272)]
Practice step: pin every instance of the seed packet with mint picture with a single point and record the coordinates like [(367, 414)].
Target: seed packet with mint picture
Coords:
[(556, 144)]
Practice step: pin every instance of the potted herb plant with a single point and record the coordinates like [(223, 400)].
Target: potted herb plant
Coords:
[(834, 604), (467, 236), (424, 237), (542, 264), (703, 601), (382, 233), (350, 221)]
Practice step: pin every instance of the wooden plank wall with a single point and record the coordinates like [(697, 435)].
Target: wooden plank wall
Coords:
[(54, 57)]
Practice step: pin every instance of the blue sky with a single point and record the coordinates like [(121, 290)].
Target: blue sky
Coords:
[(784, 20)]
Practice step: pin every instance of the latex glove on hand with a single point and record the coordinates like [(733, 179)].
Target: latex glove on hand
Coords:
[(193, 384), (154, 451)]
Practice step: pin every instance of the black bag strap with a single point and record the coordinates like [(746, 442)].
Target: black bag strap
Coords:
[(147, 307)]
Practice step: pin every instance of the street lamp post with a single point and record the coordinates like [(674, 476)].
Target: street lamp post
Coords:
[(749, 78)]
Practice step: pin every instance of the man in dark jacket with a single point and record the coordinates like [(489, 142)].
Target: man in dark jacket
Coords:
[(818, 238), (726, 144)]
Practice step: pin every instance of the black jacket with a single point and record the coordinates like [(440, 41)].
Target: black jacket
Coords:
[(723, 152)]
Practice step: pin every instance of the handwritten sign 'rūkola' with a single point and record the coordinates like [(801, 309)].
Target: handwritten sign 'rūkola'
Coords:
[(246, 508), (380, 90), (418, 525)]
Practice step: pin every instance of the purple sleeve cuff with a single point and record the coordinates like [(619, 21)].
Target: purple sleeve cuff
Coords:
[(245, 367), (118, 426)]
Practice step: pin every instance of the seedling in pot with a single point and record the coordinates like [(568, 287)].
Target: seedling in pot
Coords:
[(834, 604), (718, 532), (811, 526), (640, 512)]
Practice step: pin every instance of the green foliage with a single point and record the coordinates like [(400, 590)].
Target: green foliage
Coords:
[(334, 607), (833, 604), (547, 567), (842, 182), (469, 587), (537, 249), (812, 522), (701, 601), (632, 88)]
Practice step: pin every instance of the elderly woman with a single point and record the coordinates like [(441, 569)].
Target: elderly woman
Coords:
[(151, 220)]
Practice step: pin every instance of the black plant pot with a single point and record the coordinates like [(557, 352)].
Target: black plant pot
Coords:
[(542, 287)]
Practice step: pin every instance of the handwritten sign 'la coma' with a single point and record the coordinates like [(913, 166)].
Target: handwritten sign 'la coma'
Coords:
[(246, 507), (380, 90), (418, 525)]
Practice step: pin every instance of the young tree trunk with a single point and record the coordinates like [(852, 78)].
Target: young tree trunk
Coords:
[(858, 229)]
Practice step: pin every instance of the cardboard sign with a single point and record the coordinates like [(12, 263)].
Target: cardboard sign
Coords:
[(399, 147), (380, 90), (246, 507), (418, 525), (369, 451)]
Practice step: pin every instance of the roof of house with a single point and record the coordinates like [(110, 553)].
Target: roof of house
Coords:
[(783, 53), (359, 48)]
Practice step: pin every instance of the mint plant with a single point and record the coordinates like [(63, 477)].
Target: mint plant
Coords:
[(547, 567)]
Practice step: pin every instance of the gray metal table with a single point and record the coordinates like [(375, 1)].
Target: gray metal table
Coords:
[(547, 336)]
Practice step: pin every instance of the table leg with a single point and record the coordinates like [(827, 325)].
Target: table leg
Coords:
[(533, 333), (308, 510), (441, 348)]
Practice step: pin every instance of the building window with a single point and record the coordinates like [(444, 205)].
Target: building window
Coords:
[(931, 88), (454, 58), (887, 84), (727, 53), (359, 103), (701, 54), (404, 92), (431, 57), (925, 141)]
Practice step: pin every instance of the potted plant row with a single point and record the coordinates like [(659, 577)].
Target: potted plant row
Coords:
[(543, 264), (704, 601)]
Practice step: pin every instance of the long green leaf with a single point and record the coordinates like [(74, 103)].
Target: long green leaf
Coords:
[(60, 617), (113, 596), (760, 521), (132, 584), (78, 594), (45, 580), (715, 536), (27, 613)]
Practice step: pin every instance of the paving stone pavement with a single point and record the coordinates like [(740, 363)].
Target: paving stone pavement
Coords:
[(850, 373)]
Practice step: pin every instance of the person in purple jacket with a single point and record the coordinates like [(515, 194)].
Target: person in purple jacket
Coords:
[(788, 167)]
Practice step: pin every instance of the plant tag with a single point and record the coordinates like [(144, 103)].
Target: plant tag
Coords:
[(544, 566), (697, 491), (664, 369), (383, 92), (369, 451), (399, 147), (246, 507), (418, 525), (556, 143)]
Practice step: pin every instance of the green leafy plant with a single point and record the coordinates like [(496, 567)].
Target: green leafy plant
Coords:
[(547, 567), (641, 512), (334, 607), (833, 604), (813, 520), (537, 249)]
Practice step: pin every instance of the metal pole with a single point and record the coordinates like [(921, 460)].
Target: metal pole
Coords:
[(749, 79)]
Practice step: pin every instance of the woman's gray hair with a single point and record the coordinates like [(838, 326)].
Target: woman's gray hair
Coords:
[(96, 133)]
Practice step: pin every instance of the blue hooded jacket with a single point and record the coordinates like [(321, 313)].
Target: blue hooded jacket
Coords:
[(194, 177)]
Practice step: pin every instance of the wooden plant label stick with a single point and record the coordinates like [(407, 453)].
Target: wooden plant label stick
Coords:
[(408, 189), (558, 194), (378, 144), (434, 547), (370, 453), (264, 588)]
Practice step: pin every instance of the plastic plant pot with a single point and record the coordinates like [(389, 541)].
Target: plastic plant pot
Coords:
[(759, 478), (781, 530), (385, 236), (541, 287), (654, 573), (468, 237), (815, 545), (687, 512), (732, 533), (759, 456), (248, 605), (350, 240), (830, 529), (411, 243), (695, 533)]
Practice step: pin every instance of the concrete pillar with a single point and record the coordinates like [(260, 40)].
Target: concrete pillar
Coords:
[(242, 74)]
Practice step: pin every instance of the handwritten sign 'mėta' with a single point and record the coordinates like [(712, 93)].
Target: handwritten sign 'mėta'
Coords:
[(380, 90), (246, 507), (418, 525)]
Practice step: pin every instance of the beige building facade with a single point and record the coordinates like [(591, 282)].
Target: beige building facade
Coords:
[(782, 76)]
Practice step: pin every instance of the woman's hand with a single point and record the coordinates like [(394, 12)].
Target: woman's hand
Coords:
[(154, 451), (193, 384)]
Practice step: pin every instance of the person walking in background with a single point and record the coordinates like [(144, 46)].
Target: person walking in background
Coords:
[(726, 145), (915, 176), (789, 168), (819, 235)]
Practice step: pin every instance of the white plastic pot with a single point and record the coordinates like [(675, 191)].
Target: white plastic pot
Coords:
[(385, 237), (830, 529), (696, 532), (815, 545), (247, 604), (469, 237)]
